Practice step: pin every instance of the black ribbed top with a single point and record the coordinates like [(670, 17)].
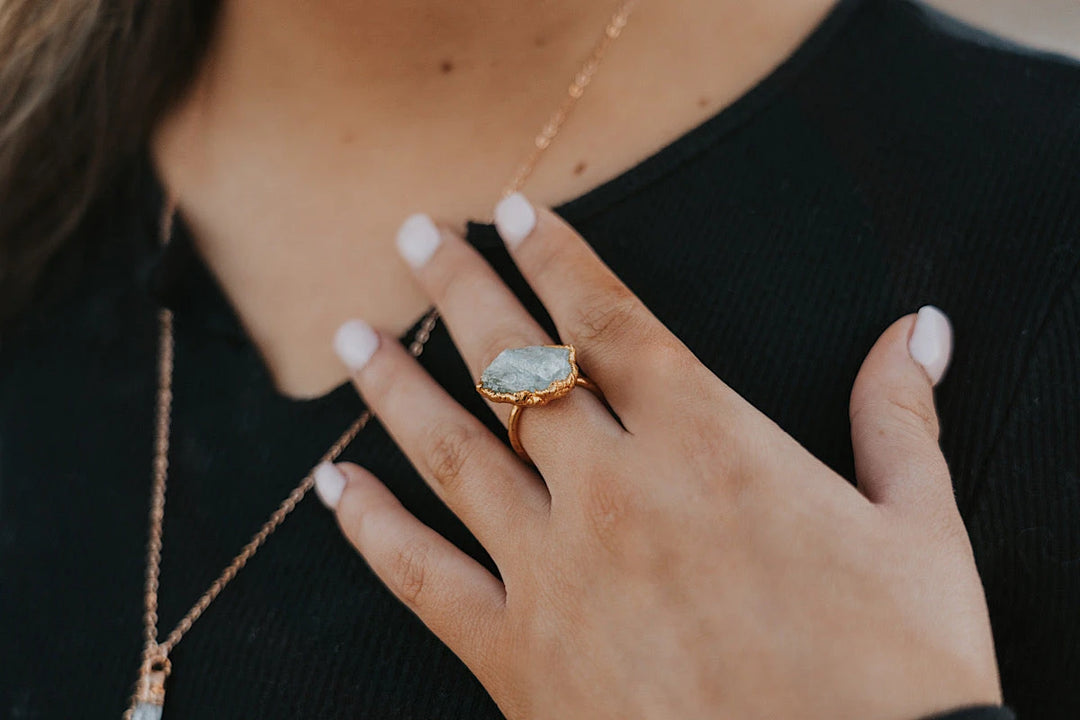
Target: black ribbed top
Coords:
[(896, 159)]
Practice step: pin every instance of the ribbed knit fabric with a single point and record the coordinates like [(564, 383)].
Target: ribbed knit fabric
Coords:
[(896, 159)]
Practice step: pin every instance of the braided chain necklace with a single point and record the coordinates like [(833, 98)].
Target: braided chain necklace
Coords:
[(148, 699)]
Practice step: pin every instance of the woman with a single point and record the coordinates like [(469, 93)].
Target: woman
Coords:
[(746, 510)]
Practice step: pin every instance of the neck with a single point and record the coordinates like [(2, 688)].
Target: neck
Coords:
[(392, 50), (302, 92)]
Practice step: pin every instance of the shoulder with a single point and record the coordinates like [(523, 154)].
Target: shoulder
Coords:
[(950, 54), (923, 76), (964, 147), (90, 305)]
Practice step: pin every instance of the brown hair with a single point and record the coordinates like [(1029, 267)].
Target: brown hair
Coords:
[(82, 82)]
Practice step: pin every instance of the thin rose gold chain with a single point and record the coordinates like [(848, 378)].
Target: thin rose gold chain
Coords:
[(155, 654), (577, 88)]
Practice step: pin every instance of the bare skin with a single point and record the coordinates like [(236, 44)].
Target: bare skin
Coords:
[(314, 129)]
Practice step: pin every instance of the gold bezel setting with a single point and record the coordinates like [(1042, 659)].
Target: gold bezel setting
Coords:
[(536, 398)]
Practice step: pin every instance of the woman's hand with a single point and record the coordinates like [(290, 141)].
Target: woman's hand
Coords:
[(693, 561)]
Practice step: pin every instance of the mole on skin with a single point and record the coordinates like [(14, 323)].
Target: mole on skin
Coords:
[(446, 66), (579, 168)]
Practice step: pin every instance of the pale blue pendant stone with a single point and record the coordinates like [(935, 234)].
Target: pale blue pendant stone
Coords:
[(531, 368), (147, 711)]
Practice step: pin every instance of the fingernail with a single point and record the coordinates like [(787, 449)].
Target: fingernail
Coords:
[(329, 484), (355, 342), (417, 239), (931, 342), (515, 218)]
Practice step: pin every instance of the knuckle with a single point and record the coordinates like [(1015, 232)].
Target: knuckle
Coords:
[(607, 317), (706, 444), (409, 572), (450, 447), (670, 361), (726, 454), (917, 410), (896, 410), (607, 507)]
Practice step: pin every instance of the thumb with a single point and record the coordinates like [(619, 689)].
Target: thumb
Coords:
[(894, 425)]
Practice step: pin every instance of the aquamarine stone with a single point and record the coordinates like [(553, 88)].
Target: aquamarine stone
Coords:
[(531, 368), (147, 711)]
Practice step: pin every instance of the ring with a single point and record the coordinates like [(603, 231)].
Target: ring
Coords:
[(532, 376)]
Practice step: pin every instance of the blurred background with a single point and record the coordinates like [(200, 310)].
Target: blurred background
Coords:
[(1050, 24)]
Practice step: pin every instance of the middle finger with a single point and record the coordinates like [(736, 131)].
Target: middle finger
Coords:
[(484, 318)]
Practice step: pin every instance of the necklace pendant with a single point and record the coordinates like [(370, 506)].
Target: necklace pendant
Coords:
[(148, 702), (147, 711)]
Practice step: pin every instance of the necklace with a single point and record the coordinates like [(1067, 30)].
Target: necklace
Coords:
[(148, 699)]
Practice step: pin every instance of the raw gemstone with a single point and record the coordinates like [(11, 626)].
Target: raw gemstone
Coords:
[(147, 711), (532, 368)]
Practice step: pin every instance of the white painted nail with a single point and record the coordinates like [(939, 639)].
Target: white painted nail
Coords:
[(329, 484), (931, 342), (515, 218), (355, 342), (417, 239)]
